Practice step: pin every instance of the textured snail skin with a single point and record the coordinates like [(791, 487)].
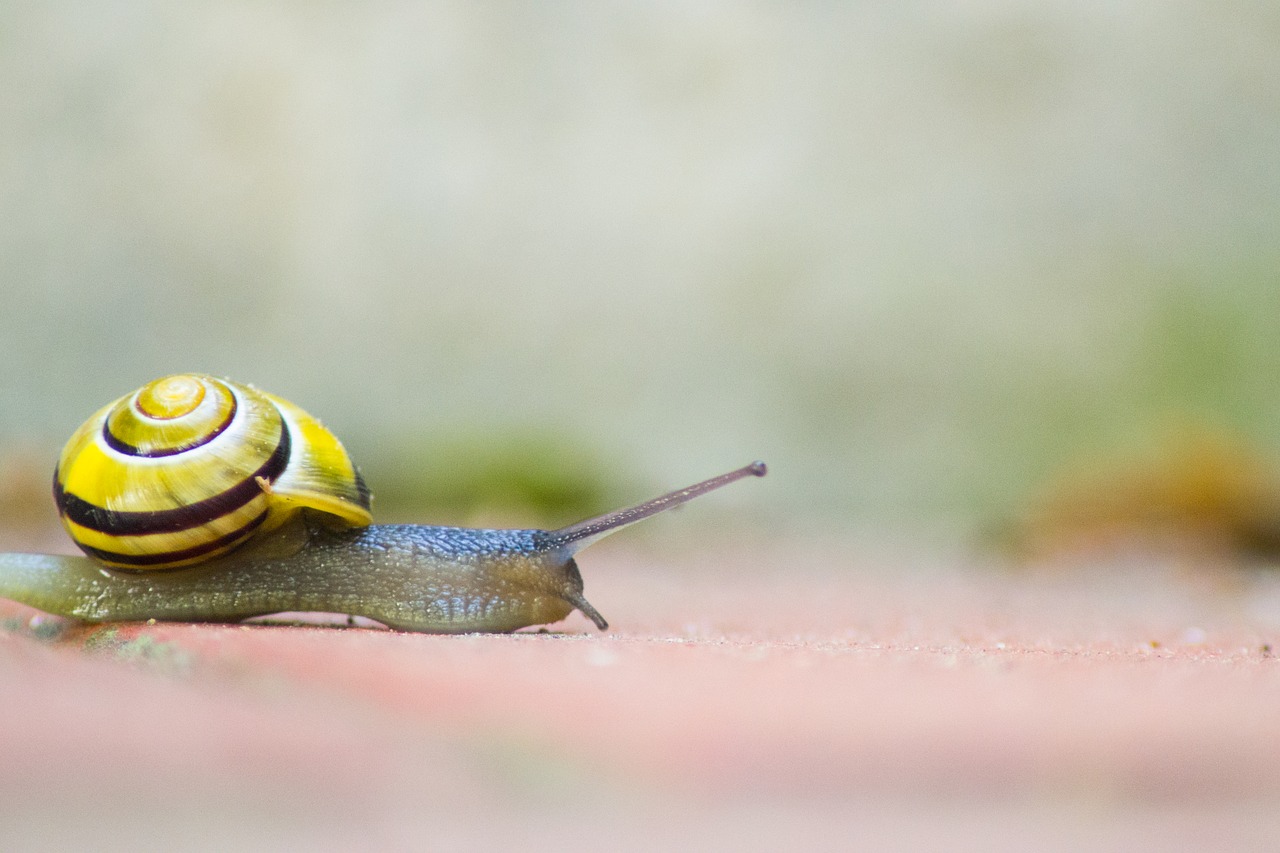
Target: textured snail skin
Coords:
[(408, 577)]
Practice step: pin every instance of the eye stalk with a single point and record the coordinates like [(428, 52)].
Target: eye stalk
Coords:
[(583, 533)]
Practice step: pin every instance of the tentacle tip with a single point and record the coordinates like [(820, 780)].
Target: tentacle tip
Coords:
[(585, 608), (758, 468)]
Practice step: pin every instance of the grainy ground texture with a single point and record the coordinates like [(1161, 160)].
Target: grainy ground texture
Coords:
[(761, 699)]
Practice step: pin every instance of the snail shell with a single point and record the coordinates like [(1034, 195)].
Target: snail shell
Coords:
[(189, 467)]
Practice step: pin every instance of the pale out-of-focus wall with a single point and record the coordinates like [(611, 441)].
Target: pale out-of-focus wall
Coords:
[(911, 254)]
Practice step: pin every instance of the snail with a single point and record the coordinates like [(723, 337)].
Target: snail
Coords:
[(202, 500)]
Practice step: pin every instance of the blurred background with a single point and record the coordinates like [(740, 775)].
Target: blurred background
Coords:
[(931, 262)]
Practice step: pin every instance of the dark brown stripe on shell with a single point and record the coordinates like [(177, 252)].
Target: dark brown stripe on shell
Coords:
[(362, 491), (142, 523), (144, 560), (129, 450)]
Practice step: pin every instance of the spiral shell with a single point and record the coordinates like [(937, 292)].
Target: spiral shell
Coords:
[(189, 467)]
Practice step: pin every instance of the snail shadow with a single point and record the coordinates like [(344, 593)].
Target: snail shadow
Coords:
[(177, 648), (344, 622), (337, 621)]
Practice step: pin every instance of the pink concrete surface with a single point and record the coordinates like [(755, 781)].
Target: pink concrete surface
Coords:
[(764, 698)]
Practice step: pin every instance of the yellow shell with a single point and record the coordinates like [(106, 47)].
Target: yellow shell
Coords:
[(189, 466)]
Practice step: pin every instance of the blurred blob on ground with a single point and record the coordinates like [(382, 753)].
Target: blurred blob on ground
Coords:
[(1203, 492)]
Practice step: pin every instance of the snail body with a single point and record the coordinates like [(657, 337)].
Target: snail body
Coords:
[(296, 538), (409, 577)]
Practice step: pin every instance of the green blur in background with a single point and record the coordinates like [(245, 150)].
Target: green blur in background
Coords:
[(556, 257)]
